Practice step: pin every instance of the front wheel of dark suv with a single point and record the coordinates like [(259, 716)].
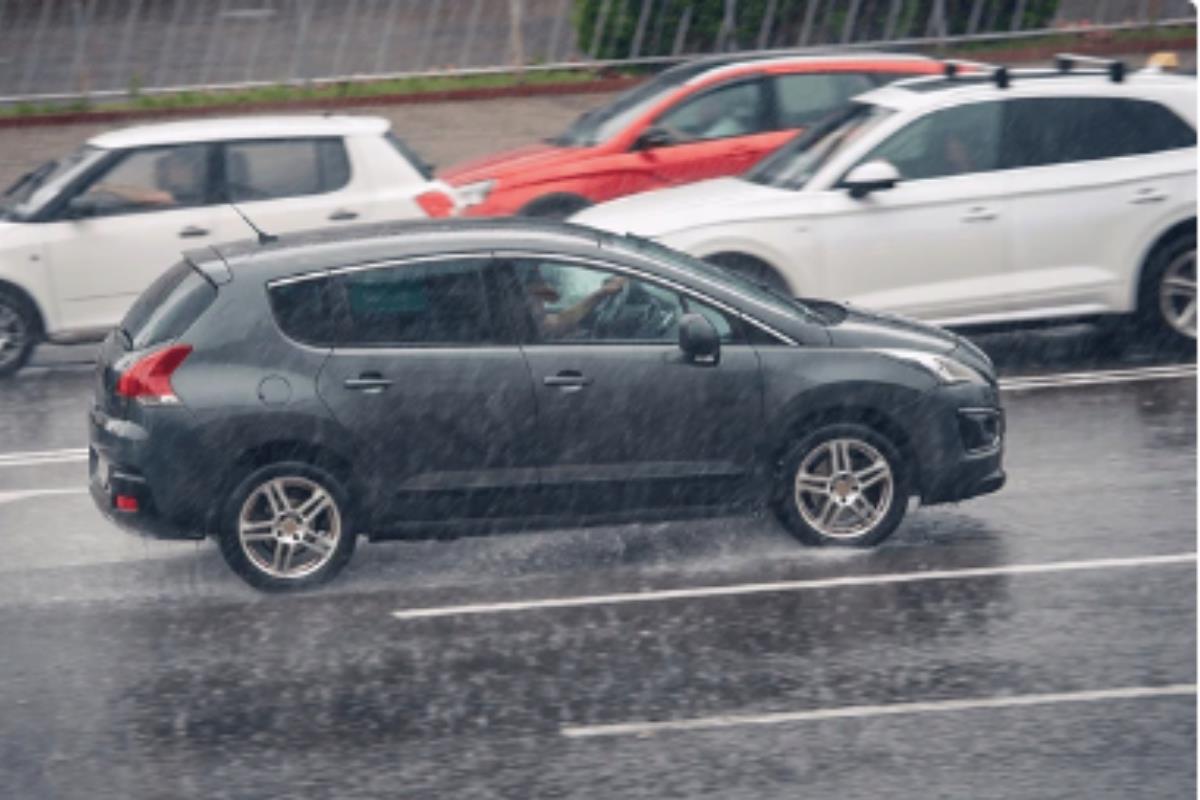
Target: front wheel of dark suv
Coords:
[(286, 526), (842, 485)]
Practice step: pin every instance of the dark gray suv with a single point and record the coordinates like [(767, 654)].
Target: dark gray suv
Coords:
[(456, 377)]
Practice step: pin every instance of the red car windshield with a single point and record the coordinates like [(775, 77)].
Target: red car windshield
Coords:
[(601, 124)]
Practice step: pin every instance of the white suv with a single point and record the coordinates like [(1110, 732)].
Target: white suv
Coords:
[(81, 237), (966, 200)]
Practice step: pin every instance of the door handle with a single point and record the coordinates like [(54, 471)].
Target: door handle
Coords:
[(368, 382), (1147, 196), (979, 214), (343, 215), (567, 380), (192, 231)]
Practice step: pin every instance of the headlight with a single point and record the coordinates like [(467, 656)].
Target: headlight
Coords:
[(473, 194), (946, 370)]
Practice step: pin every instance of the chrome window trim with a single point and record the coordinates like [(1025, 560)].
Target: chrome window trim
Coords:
[(589, 261)]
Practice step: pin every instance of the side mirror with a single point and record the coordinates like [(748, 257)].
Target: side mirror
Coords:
[(872, 176), (698, 340), (81, 207), (653, 137)]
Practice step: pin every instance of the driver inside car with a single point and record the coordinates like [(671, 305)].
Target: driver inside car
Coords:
[(540, 294)]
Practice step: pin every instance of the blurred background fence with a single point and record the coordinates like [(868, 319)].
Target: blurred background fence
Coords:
[(54, 48)]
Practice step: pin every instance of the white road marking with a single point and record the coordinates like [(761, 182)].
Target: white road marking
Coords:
[(890, 709), (733, 590), (36, 458), (1095, 378), (24, 494)]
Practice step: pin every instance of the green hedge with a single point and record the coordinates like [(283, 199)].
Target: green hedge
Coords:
[(618, 31)]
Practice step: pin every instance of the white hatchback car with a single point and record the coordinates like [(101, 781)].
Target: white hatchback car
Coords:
[(81, 237), (966, 200)]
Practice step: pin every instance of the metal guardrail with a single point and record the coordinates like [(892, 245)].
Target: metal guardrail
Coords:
[(55, 49)]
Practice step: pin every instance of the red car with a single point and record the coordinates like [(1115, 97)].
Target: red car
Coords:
[(702, 119)]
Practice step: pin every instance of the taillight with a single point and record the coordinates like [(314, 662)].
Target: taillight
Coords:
[(148, 380), (436, 204)]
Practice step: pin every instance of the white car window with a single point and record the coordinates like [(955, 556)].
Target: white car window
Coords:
[(152, 179), (953, 141), (269, 170)]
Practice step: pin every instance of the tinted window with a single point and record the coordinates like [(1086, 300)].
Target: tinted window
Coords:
[(270, 169), (794, 165), (151, 179), (438, 303), (168, 307), (571, 303), (954, 141), (304, 310), (1056, 130), (735, 110), (803, 99)]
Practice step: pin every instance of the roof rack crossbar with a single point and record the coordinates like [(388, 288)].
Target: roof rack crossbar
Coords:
[(1065, 62), (999, 75)]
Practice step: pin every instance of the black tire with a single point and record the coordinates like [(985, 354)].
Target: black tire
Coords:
[(19, 331), (786, 502), (751, 268), (249, 568), (557, 206), (1161, 265)]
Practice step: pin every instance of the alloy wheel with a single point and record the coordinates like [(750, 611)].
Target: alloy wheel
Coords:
[(843, 488), (1177, 294), (289, 527)]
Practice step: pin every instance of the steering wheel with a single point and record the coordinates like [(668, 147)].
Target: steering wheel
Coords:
[(605, 315)]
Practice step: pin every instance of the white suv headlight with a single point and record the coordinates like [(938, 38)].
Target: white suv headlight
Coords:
[(473, 194), (946, 370)]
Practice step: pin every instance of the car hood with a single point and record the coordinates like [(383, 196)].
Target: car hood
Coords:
[(511, 166), (658, 213), (853, 327)]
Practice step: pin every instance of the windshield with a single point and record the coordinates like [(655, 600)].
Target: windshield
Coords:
[(760, 293), (33, 189), (601, 124), (794, 164)]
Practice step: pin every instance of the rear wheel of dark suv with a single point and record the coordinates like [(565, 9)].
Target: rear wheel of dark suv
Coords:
[(287, 526)]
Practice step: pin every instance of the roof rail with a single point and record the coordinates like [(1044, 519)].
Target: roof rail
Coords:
[(1065, 62)]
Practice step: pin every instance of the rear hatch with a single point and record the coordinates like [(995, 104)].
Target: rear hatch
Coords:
[(157, 319)]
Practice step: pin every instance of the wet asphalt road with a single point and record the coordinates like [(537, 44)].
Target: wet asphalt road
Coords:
[(135, 669)]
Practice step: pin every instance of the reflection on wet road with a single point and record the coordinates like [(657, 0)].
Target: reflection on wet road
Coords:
[(131, 668)]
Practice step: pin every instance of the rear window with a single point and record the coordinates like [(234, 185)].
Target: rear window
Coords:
[(419, 164), (168, 307), (304, 311), (805, 98), (273, 169)]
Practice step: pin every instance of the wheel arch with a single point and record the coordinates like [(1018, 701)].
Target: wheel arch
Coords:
[(561, 199), (277, 450), (1168, 235), (39, 317), (760, 268), (809, 419)]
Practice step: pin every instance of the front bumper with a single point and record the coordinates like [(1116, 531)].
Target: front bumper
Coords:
[(963, 454)]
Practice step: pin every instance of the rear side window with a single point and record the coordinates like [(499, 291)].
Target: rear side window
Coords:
[(803, 99), (304, 310), (433, 303), (1057, 130), (168, 307), (274, 169), (408, 154)]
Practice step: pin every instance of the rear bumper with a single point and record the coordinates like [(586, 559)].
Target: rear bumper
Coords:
[(119, 466)]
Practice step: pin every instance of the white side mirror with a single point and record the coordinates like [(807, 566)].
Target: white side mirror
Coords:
[(872, 176)]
